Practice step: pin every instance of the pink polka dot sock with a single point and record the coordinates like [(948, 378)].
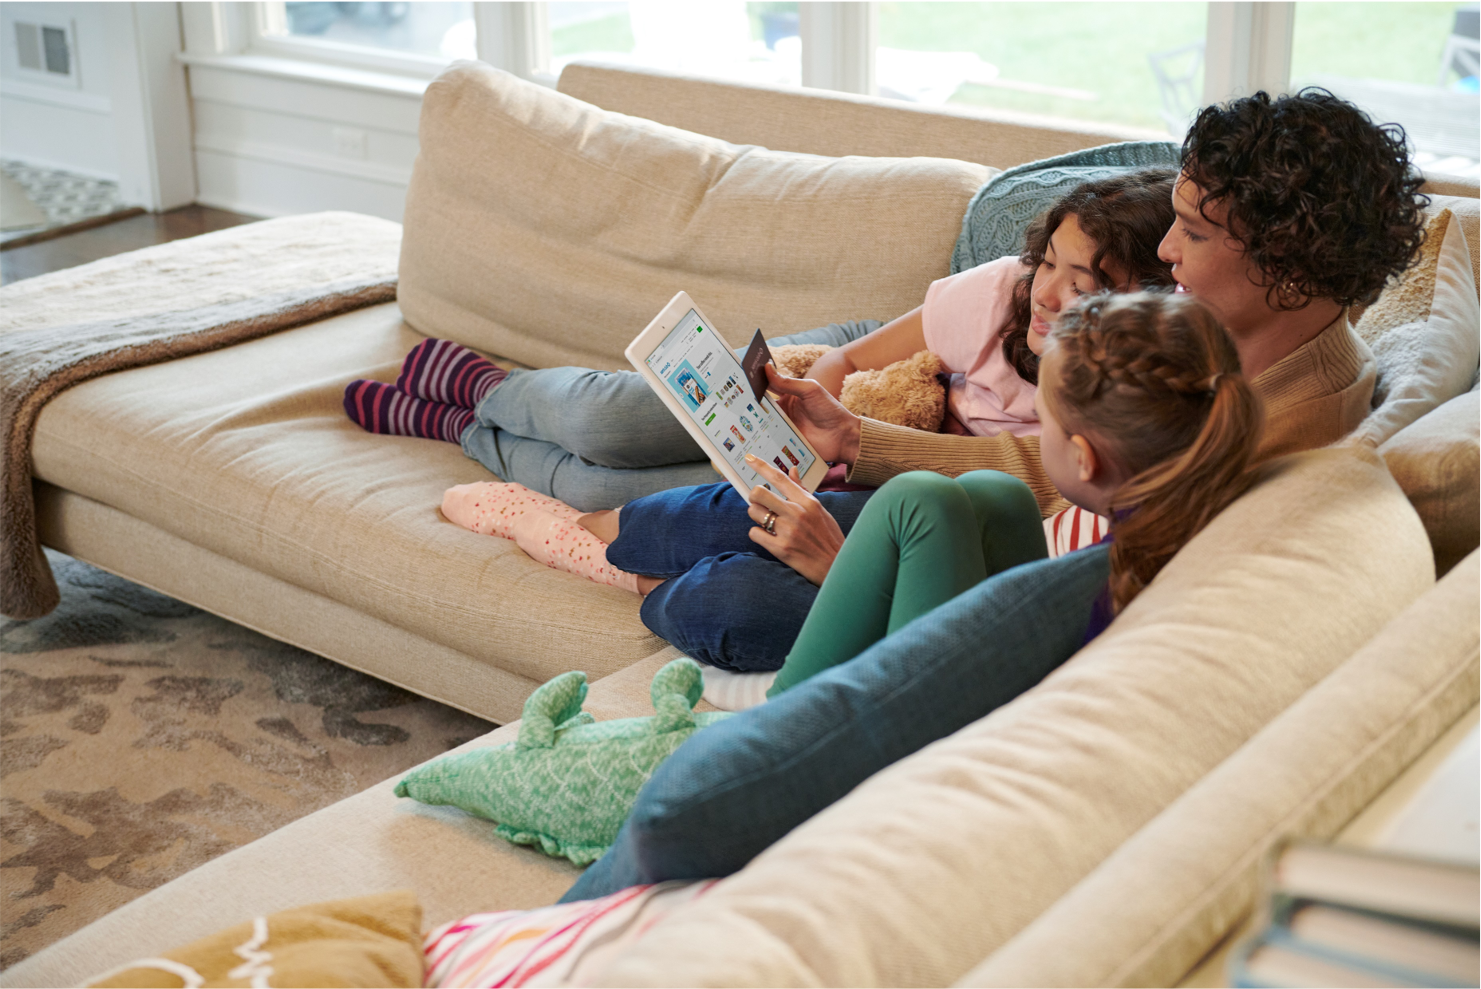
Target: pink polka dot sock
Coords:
[(491, 508), (565, 545), (377, 407), (443, 371)]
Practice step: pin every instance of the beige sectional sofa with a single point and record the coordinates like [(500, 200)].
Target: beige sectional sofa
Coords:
[(1102, 829)]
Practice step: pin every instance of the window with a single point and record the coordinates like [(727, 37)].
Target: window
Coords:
[(754, 42), (1411, 63), (1127, 63), (419, 37)]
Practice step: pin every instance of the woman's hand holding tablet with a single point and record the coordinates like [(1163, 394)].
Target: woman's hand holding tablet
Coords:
[(798, 530)]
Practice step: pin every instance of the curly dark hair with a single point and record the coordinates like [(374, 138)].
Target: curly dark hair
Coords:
[(1126, 217), (1323, 199)]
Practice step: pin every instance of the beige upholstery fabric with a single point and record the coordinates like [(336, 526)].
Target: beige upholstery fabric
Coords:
[(1468, 212), (1152, 909), (547, 230), (247, 453), (1437, 461), (1425, 332), (953, 851), (370, 843), (124, 545), (827, 123)]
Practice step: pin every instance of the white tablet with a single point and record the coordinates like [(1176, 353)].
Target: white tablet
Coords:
[(699, 378)]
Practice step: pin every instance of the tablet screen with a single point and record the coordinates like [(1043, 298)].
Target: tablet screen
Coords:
[(703, 373)]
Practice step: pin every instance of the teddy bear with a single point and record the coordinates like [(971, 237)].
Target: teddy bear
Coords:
[(907, 393)]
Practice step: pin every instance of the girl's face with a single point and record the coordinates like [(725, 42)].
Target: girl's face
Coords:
[(1211, 263), (1070, 460), (1061, 278)]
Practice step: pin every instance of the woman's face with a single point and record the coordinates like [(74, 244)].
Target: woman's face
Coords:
[(1211, 263), (1061, 278)]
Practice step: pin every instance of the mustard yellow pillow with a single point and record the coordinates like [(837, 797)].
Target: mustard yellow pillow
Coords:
[(364, 941)]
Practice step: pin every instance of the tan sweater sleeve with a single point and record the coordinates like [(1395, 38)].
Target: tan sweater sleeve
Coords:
[(886, 450)]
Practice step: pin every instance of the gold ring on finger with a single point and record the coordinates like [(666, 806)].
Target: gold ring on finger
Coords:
[(769, 523)]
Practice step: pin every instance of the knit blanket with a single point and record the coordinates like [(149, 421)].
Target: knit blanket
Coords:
[(154, 305), (1002, 209)]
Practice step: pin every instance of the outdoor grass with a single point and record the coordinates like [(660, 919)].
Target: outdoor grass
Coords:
[(1103, 47)]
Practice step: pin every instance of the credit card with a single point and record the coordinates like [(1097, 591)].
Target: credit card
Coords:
[(758, 355)]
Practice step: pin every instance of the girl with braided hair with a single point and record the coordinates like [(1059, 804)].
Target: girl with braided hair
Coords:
[(1146, 419)]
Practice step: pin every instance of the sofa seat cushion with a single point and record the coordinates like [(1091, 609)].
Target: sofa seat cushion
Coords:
[(247, 452), (955, 849)]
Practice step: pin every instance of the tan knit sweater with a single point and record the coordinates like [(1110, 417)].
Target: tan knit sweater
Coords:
[(1313, 396)]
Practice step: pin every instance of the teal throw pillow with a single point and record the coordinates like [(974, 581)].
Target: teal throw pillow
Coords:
[(568, 783), (1002, 209)]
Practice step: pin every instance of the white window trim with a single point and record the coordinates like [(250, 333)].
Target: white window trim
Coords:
[(1248, 45)]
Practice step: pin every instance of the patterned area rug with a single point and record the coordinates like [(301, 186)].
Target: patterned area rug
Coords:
[(141, 737)]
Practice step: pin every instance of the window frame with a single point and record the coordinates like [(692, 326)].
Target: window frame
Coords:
[(267, 35), (1248, 45)]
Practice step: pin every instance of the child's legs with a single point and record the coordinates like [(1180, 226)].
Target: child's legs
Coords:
[(1012, 532), (911, 550), (735, 611), (608, 418), (668, 532), (612, 418), (551, 470)]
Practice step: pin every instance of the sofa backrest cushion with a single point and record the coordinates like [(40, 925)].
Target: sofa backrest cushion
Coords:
[(1425, 333), (954, 850), (1437, 461), (821, 122), (549, 231)]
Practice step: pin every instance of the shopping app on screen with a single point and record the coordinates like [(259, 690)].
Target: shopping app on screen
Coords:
[(703, 373)]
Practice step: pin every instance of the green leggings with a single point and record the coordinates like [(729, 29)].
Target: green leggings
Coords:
[(921, 541)]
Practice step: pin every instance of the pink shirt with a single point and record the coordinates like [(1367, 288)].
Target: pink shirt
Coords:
[(962, 316)]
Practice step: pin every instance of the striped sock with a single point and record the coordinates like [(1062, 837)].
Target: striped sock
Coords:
[(443, 371), (376, 407)]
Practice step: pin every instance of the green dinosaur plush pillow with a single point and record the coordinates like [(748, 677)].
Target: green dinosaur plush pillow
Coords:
[(568, 783)]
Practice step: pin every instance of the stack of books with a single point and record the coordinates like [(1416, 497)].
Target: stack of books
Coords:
[(1350, 917)]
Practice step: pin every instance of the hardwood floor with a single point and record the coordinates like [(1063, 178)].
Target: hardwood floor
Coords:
[(73, 249)]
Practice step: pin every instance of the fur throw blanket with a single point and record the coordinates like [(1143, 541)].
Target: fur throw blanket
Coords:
[(154, 305)]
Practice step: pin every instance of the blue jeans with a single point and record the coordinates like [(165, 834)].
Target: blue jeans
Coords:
[(736, 787), (598, 439), (727, 602)]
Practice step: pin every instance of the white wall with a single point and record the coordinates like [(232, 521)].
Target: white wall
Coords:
[(271, 141), (60, 125)]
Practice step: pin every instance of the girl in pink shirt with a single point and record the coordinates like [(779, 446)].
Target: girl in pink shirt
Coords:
[(988, 324)]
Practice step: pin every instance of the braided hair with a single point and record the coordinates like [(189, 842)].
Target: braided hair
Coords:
[(1125, 216), (1155, 380)]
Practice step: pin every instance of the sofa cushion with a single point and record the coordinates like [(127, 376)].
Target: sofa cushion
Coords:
[(247, 453), (826, 122), (955, 849), (365, 941), (1437, 461), (1423, 332), (1148, 913), (550, 231)]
